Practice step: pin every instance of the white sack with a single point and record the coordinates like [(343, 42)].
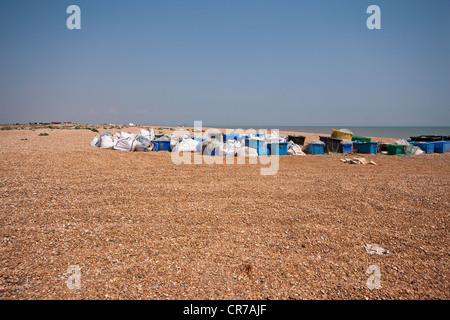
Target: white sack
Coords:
[(126, 144), (124, 135), (142, 144), (148, 134), (95, 142), (106, 142)]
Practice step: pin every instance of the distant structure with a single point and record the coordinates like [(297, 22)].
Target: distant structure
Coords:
[(48, 123)]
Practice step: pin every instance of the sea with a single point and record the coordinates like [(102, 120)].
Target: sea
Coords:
[(382, 132)]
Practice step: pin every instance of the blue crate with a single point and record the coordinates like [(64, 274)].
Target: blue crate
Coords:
[(161, 145), (315, 148), (441, 146), (427, 147), (259, 145), (346, 147), (366, 147), (278, 148)]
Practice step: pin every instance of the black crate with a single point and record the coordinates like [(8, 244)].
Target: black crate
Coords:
[(300, 140), (383, 146), (331, 144), (430, 138)]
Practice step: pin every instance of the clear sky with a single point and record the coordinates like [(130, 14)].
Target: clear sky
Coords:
[(226, 62)]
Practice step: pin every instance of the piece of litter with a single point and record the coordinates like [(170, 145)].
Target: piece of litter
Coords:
[(375, 249), (358, 161)]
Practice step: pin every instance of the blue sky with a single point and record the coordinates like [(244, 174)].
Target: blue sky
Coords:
[(234, 62)]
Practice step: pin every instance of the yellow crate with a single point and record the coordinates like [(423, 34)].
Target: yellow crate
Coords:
[(337, 134)]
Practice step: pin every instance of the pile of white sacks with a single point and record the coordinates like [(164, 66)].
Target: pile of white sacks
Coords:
[(210, 144), (125, 141)]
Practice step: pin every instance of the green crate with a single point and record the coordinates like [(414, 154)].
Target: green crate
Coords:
[(394, 149), (362, 139)]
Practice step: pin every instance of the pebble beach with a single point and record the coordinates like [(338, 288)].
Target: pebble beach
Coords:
[(141, 227)]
